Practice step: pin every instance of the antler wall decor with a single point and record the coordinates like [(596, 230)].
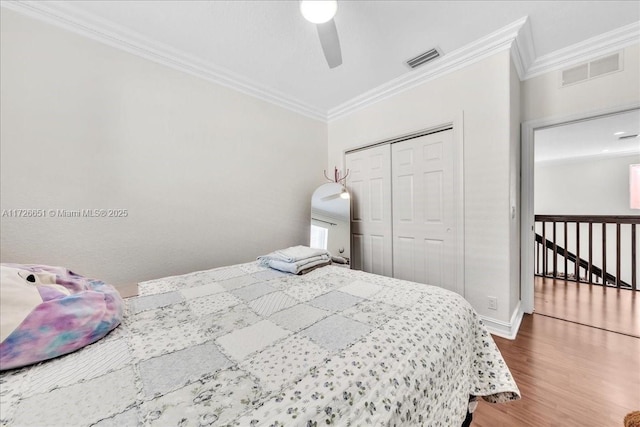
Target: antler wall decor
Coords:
[(337, 176)]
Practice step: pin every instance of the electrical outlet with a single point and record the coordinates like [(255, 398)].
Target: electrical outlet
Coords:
[(493, 303)]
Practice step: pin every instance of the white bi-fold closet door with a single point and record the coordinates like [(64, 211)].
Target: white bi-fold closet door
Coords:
[(414, 238), (423, 215), (370, 187)]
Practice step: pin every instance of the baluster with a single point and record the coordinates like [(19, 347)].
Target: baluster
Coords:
[(537, 258), (633, 257), (618, 272), (544, 248), (577, 263), (566, 258), (590, 252), (555, 252), (604, 254)]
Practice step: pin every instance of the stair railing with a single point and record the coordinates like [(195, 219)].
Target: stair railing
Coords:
[(559, 236)]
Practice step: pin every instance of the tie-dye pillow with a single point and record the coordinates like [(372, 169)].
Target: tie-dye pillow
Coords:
[(46, 312)]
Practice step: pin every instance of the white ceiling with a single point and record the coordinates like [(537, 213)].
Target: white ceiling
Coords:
[(268, 46), (590, 138), (326, 201)]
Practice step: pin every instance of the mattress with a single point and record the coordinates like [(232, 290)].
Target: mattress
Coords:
[(245, 345)]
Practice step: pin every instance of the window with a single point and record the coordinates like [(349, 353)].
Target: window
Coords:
[(319, 237)]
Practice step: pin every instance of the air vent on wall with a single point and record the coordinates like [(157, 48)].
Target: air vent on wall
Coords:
[(423, 58), (575, 74), (590, 70), (605, 65)]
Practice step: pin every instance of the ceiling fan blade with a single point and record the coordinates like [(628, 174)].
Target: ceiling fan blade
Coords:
[(330, 43)]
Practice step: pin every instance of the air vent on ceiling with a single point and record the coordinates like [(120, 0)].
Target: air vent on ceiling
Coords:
[(628, 136), (589, 70), (423, 58)]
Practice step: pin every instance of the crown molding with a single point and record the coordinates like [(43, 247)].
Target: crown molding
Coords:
[(61, 15), (460, 58), (522, 51), (586, 50), (516, 36)]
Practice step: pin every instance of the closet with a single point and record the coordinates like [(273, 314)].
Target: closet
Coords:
[(369, 184), (403, 209)]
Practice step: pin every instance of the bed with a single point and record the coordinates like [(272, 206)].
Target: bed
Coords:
[(245, 345)]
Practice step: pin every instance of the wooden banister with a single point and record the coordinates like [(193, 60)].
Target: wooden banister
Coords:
[(609, 219), (624, 225)]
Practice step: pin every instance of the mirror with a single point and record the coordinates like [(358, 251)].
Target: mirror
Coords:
[(331, 222)]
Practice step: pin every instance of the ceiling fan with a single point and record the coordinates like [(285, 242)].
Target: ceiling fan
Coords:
[(343, 194), (321, 13)]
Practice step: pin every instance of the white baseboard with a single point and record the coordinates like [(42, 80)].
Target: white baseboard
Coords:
[(502, 329)]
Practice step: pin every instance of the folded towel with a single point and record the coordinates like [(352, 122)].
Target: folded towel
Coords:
[(264, 259), (309, 269), (286, 255), (296, 253), (296, 259), (299, 267), (298, 264)]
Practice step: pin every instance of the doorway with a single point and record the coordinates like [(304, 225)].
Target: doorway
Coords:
[(564, 174)]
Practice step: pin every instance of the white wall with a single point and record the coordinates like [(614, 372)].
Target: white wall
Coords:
[(593, 186), (209, 176), (481, 92), (543, 98), (514, 188)]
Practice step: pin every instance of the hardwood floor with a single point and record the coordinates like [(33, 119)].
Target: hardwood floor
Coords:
[(569, 375), (606, 308)]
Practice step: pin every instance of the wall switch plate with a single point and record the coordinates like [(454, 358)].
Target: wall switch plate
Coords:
[(493, 303)]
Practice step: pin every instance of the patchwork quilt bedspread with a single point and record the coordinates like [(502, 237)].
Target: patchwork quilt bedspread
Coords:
[(248, 346)]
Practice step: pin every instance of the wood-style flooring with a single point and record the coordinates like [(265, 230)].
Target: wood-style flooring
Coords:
[(593, 305), (569, 375), (576, 361)]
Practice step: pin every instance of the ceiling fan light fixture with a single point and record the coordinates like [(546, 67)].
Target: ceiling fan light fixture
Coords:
[(318, 11)]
